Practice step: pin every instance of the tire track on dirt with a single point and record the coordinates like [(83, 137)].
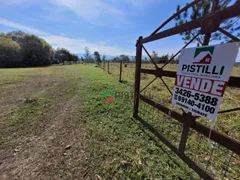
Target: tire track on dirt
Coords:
[(58, 152)]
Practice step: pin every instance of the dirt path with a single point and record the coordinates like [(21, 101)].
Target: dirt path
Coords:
[(56, 150)]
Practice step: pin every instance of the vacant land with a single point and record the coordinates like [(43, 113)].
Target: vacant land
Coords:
[(226, 123), (216, 160), (54, 124)]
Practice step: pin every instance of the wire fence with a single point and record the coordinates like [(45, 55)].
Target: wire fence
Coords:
[(213, 158)]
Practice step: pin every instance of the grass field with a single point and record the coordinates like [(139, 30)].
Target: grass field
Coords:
[(214, 160), (55, 125), (227, 123)]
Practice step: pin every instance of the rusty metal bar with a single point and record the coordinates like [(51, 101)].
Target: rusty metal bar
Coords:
[(184, 137), (137, 76), (228, 34), (186, 159), (224, 14), (156, 66), (166, 86), (198, 40), (181, 50), (229, 110), (234, 81), (149, 84), (120, 74), (216, 136), (176, 14)]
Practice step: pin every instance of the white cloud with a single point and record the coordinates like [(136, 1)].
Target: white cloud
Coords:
[(74, 45), (97, 12), (6, 22), (78, 45)]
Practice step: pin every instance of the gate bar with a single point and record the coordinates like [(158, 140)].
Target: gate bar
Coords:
[(220, 138), (228, 34), (224, 14), (176, 14), (234, 81), (186, 159)]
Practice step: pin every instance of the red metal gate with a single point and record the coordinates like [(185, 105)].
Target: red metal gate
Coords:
[(187, 122)]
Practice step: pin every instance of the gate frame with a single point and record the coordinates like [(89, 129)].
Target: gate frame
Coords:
[(208, 24)]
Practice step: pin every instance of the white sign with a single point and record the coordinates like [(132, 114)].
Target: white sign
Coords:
[(202, 77)]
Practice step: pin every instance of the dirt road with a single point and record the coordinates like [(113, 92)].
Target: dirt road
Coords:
[(48, 143)]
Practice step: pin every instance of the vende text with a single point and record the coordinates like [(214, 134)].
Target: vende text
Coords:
[(203, 85)]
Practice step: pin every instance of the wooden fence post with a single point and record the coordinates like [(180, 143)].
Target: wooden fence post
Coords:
[(120, 75), (108, 68)]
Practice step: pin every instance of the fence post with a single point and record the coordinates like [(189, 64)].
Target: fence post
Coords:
[(104, 65), (185, 132), (137, 76), (120, 75), (108, 68)]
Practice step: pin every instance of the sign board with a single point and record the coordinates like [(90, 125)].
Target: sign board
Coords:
[(202, 77)]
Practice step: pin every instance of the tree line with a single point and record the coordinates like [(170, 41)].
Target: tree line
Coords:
[(20, 49)]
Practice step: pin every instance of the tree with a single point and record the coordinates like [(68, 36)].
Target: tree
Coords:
[(62, 55), (103, 57), (87, 55), (116, 59), (10, 52), (154, 56), (204, 8), (36, 51), (97, 57), (125, 58), (74, 58)]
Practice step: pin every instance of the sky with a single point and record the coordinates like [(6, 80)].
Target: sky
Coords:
[(108, 26)]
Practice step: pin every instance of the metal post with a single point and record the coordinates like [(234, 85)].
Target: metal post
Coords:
[(137, 76), (120, 74), (185, 133), (108, 68)]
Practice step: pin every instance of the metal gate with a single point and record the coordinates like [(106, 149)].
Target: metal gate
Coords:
[(187, 123)]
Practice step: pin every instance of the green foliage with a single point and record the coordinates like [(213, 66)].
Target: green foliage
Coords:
[(97, 57), (204, 8), (125, 58), (10, 52), (19, 49), (62, 55), (87, 55), (160, 59), (35, 51)]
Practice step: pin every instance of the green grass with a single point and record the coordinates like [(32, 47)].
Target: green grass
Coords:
[(122, 148), (118, 146), (226, 123)]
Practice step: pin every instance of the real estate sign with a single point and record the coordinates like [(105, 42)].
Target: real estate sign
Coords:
[(202, 77)]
